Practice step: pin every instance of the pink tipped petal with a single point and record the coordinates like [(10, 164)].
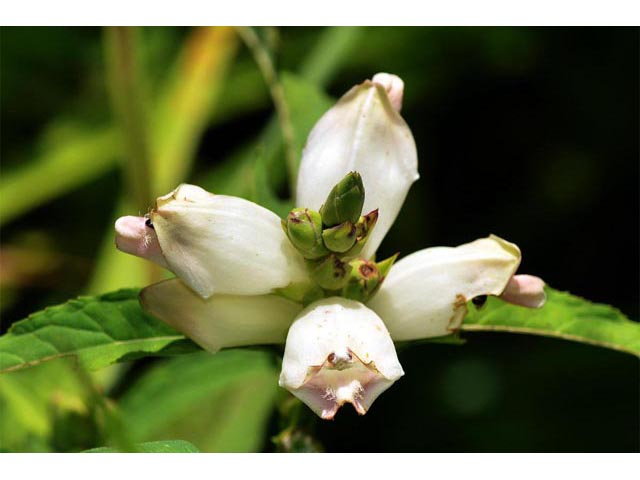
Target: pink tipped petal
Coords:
[(364, 133), (525, 290), (394, 87), (135, 237), (338, 351)]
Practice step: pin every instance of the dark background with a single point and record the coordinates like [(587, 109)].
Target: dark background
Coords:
[(527, 133)]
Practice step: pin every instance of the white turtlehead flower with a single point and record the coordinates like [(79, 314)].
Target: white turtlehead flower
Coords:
[(363, 132), (338, 351), (235, 263), (215, 243)]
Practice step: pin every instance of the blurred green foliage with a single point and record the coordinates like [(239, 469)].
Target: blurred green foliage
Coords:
[(528, 133)]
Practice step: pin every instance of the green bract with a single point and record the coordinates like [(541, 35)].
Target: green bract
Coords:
[(340, 238)]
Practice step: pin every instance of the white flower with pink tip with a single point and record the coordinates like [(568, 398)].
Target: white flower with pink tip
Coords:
[(246, 277)]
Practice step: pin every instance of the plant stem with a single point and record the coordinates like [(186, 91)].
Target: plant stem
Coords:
[(127, 94), (268, 71)]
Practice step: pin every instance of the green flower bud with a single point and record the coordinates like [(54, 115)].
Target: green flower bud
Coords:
[(340, 238), (363, 281), (330, 273), (363, 230), (304, 229), (344, 202)]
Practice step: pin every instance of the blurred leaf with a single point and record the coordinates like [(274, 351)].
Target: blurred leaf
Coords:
[(88, 153), (98, 330), (220, 403), (30, 400), (61, 167), (307, 103), (563, 316), (162, 446), (263, 194), (186, 104), (332, 50), (244, 174)]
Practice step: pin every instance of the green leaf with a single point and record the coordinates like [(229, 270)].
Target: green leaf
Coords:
[(243, 174), (333, 49), (78, 156), (187, 103), (563, 316), (48, 408), (162, 446), (97, 330), (220, 403)]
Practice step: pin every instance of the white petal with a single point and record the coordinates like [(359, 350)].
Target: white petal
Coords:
[(222, 244), (425, 293), (338, 351), (394, 86), (363, 132), (220, 321)]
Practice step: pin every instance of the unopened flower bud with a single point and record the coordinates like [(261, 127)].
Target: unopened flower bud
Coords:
[(340, 238), (330, 273), (344, 202), (338, 351), (304, 229)]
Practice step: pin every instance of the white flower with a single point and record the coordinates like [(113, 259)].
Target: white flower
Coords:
[(338, 351), (215, 243), (235, 263), (363, 132)]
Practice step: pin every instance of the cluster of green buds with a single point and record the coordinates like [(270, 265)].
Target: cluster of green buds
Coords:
[(331, 239)]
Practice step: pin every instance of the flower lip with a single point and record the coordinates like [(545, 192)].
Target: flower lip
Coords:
[(338, 351)]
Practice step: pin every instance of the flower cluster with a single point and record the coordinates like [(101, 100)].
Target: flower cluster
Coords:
[(246, 277)]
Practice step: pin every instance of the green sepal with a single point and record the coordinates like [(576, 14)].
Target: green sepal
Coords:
[(364, 227), (304, 229), (330, 273), (340, 238), (344, 202), (301, 292), (364, 280), (385, 265)]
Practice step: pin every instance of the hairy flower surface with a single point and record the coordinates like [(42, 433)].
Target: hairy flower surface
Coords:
[(246, 277)]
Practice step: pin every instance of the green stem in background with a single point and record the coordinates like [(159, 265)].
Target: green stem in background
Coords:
[(127, 93), (267, 68)]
